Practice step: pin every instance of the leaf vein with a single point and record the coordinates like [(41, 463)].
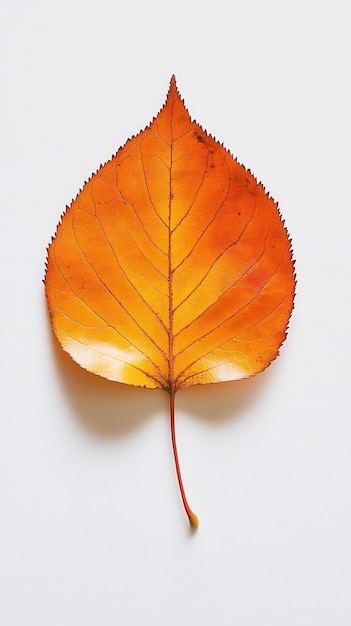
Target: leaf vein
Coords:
[(136, 214), (225, 342), (139, 369), (234, 243), (113, 328)]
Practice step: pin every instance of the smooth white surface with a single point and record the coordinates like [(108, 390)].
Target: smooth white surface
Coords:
[(92, 529)]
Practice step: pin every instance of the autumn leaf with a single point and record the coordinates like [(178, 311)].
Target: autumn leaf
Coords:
[(172, 267)]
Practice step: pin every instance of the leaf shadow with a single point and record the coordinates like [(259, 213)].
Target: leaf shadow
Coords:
[(219, 402), (110, 409), (105, 408)]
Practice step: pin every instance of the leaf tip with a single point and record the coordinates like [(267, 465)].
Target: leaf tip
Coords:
[(173, 86)]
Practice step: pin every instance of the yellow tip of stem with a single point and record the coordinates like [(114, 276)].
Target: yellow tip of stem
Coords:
[(194, 520)]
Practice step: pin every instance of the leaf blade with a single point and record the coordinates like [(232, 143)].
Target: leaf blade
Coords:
[(172, 267)]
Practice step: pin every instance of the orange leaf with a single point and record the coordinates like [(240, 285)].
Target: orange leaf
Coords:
[(172, 267)]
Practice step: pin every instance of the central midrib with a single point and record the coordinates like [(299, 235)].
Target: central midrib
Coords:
[(170, 269)]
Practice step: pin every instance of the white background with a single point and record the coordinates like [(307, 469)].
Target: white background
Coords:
[(92, 530)]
